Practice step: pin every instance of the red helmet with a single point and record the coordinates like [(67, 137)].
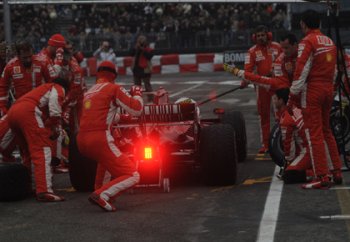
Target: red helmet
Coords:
[(107, 66)]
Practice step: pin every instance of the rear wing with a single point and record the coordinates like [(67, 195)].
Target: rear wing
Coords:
[(163, 114)]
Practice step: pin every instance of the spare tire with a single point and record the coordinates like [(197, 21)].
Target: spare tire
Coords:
[(276, 146), (82, 170), (218, 154), (340, 124), (15, 182), (236, 120)]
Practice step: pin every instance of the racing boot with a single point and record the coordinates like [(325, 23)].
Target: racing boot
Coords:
[(337, 177), (263, 150), (61, 168), (322, 182), (102, 203), (310, 174), (49, 197)]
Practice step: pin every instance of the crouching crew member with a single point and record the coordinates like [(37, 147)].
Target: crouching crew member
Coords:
[(95, 140)]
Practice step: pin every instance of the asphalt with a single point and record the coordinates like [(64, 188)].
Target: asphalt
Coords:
[(191, 211)]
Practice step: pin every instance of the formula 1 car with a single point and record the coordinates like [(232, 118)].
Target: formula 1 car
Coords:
[(168, 133)]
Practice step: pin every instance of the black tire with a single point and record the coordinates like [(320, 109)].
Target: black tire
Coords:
[(340, 124), (82, 171), (276, 146), (15, 182), (218, 154), (237, 121)]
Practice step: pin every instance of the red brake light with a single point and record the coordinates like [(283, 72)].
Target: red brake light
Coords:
[(148, 153), (219, 111)]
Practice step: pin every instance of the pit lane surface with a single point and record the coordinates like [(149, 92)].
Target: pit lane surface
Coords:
[(247, 211)]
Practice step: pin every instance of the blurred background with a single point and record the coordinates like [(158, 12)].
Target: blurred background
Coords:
[(170, 27)]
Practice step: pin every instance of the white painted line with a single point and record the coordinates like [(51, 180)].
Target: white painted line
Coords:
[(339, 188), (336, 217), (186, 90), (268, 222)]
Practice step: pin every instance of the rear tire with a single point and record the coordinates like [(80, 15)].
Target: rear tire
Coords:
[(82, 171), (218, 154), (236, 120)]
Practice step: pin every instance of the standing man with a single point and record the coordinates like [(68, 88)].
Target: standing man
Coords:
[(23, 73), (314, 79), (260, 57), (48, 54), (104, 53), (95, 140), (142, 65), (283, 68)]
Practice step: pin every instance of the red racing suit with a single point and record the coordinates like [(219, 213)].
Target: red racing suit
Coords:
[(95, 140), (23, 80), (74, 100), (26, 119), (261, 58), (313, 79), (295, 147), (283, 69)]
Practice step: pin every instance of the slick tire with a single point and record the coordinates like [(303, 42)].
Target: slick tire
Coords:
[(15, 182), (82, 171), (237, 121), (218, 155)]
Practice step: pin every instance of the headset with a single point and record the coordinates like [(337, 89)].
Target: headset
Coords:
[(262, 28)]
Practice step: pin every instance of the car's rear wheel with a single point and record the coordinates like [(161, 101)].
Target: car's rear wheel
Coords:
[(82, 171), (236, 120), (218, 154)]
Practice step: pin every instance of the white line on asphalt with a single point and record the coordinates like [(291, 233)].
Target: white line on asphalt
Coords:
[(186, 90), (336, 217), (268, 222), (339, 188)]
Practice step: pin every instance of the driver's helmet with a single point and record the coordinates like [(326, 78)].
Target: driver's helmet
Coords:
[(184, 100)]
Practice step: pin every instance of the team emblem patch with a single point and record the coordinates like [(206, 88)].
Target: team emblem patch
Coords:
[(259, 56), (329, 57), (87, 104), (16, 69)]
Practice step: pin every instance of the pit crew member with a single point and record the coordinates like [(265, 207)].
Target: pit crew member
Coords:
[(295, 147), (261, 56), (26, 119), (283, 67), (313, 79), (94, 138), (24, 72)]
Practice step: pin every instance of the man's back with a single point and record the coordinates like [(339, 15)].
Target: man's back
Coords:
[(100, 105), (316, 57)]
